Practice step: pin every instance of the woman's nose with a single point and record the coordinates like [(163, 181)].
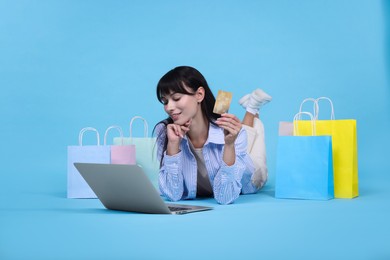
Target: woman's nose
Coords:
[(169, 106)]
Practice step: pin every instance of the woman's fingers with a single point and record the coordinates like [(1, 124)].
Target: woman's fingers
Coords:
[(184, 129), (231, 131), (179, 130), (230, 123), (231, 126), (174, 129), (188, 123)]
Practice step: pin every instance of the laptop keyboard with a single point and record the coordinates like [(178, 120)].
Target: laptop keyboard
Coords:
[(172, 208)]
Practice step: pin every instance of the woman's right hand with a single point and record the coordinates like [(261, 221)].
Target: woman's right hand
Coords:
[(175, 133)]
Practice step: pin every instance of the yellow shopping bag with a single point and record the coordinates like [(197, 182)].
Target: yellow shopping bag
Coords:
[(344, 148)]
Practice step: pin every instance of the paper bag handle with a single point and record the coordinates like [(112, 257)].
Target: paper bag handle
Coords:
[(315, 105), (85, 129), (332, 117), (145, 126), (298, 117), (113, 127)]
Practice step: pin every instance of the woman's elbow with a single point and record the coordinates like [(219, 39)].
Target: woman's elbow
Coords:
[(224, 199), (171, 195)]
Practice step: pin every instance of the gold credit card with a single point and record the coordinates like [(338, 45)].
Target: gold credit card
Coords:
[(222, 102)]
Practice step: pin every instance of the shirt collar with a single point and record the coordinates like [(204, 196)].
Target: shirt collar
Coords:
[(216, 135)]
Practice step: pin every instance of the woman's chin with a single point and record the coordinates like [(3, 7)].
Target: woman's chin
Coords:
[(180, 121)]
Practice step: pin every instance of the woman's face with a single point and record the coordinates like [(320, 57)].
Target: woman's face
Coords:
[(181, 107)]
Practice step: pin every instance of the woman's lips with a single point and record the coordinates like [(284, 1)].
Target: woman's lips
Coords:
[(175, 116)]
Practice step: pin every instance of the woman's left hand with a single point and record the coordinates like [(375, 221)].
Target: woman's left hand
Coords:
[(231, 126)]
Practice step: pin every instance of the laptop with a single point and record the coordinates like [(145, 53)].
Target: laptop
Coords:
[(127, 188)]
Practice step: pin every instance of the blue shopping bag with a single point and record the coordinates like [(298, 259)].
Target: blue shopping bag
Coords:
[(304, 168)]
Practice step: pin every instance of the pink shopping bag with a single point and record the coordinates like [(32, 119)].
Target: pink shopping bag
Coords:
[(121, 153)]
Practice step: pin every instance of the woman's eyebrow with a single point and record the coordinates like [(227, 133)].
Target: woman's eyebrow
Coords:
[(170, 94), (165, 96)]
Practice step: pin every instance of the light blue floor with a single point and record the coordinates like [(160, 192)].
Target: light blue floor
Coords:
[(38, 222)]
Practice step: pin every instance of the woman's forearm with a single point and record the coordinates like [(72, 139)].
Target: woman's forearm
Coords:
[(229, 154)]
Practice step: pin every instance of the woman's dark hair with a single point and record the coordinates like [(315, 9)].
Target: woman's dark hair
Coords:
[(185, 80)]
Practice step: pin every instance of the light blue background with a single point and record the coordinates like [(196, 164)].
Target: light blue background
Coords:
[(65, 65)]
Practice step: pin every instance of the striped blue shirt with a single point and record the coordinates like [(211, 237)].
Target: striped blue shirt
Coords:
[(178, 173)]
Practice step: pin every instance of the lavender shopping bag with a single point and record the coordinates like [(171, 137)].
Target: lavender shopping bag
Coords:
[(287, 128), (121, 153), (77, 187)]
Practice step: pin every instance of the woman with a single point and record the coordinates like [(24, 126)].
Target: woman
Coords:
[(204, 154)]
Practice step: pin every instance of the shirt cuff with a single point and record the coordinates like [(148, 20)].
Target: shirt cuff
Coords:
[(230, 173), (172, 161)]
